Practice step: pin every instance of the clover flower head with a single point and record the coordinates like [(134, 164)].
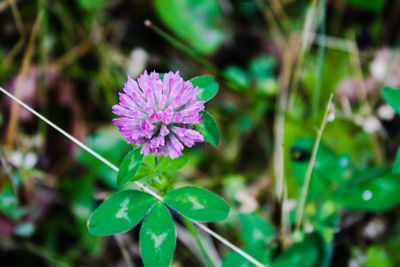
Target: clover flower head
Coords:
[(159, 114)]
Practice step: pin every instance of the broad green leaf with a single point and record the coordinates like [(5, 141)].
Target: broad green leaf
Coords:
[(396, 164), (158, 237), (308, 253), (129, 167), (254, 231), (328, 167), (392, 97), (209, 129), (260, 253), (120, 212), (197, 203), (372, 192), (168, 164), (198, 22), (369, 5), (207, 87)]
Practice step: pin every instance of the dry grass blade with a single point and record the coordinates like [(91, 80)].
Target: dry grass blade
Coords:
[(13, 122)]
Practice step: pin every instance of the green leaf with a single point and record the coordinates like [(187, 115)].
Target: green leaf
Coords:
[(158, 237), (392, 97), (168, 164), (204, 33), (209, 129), (129, 167), (373, 193), (120, 212), (260, 253), (254, 231), (197, 203), (396, 164), (328, 168), (208, 88), (149, 160), (144, 172), (255, 234), (304, 254)]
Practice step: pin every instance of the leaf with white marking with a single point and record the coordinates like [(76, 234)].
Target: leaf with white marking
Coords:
[(255, 231), (120, 212), (197, 203), (157, 237)]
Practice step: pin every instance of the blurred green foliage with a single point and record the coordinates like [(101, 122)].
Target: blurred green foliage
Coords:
[(82, 55), (198, 22), (106, 142)]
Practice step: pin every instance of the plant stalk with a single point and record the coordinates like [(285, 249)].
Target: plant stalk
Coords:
[(307, 180)]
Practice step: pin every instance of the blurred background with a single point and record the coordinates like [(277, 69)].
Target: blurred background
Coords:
[(276, 62)]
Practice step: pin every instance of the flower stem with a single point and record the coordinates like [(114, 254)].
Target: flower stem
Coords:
[(306, 185), (193, 232)]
